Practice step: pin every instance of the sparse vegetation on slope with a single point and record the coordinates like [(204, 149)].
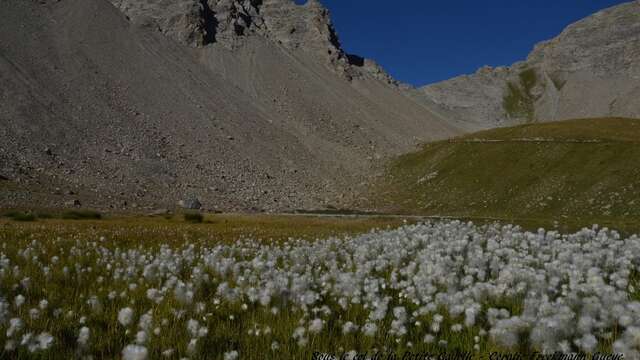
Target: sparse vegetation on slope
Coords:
[(519, 100), (578, 171)]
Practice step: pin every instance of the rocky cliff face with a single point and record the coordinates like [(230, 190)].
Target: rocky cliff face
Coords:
[(591, 69), (201, 22), (228, 23)]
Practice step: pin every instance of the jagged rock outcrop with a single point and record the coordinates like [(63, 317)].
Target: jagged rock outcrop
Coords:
[(226, 22), (229, 22), (592, 69), (187, 21)]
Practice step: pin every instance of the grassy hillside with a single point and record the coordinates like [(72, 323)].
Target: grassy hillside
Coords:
[(579, 170)]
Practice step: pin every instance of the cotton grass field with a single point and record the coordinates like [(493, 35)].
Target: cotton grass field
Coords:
[(304, 288)]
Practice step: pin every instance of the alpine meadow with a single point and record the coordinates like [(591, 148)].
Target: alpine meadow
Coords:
[(222, 179)]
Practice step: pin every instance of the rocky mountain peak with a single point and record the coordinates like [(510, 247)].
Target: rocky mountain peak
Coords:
[(227, 23), (607, 41), (201, 22), (591, 69)]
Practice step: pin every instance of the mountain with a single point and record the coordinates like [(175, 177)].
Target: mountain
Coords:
[(254, 104), (135, 104), (592, 69)]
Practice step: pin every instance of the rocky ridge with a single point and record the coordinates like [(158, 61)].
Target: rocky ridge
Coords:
[(228, 23), (592, 69)]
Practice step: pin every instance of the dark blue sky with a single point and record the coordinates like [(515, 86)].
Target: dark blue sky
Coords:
[(423, 41)]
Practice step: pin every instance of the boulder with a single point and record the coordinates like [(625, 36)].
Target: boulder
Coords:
[(191, 203)]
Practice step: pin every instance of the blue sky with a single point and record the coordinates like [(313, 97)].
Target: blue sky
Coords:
[(422, 41)]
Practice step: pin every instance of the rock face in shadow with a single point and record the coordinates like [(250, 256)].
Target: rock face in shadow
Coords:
[(245, 105), (592, 69)]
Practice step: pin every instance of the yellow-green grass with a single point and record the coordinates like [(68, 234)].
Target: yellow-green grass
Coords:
[(214, 228), (571, 173)]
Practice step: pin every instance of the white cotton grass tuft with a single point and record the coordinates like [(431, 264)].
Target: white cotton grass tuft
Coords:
[(168, 353), (349, 328), (192, 327), (141, 337), (45, 340), (299, 334), (587, 343), (428, 339), (231, 355), (192, 347), (145, 322), (19, 300), (196, 330), (10, 345), (370, 329), (315, 326), (15, 326), (125, 316), (35, 343), (135, 352), (432, 281), (4, 311), (83, 337), (350, 355)]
